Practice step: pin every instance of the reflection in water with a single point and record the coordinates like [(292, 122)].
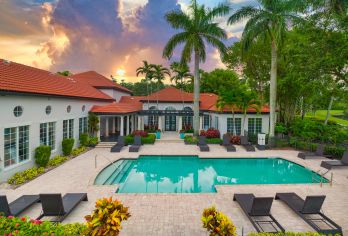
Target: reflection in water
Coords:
[(189, 174)]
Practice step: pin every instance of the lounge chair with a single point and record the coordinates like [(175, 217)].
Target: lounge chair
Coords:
[(226, 142), (245, 143), (258, 211), (136, 145), (309, 211), (17, 206), (202, 144), (58, 206), (319, 152), (336, 163), (119, 145)]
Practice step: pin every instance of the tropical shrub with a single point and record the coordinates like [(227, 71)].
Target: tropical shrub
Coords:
[(189, 139), (151, 128), (213, 140), (217, 224), (42, 155), (26, 175), (93, 141), (67, 146), (24, 226), (93, 123), (84, 139), (77, 151), (280, 128), (57, 160), (211, 133), (107, 217), (149, 139)]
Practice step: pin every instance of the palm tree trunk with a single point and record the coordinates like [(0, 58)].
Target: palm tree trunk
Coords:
[(328, 110), (234, 123), (244, 118), (196, 97), (273, 90)]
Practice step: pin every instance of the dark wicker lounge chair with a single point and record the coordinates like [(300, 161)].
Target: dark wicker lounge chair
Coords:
[(319, 152), (54, 205), (336, 163), (309, 211), (119, 145), (226, 142), (258, 211), (202, 144), (17, 206), (245, 143), (136, 145)]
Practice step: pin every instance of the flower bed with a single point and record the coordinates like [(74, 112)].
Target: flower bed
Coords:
[(191, 140), (146, 138)]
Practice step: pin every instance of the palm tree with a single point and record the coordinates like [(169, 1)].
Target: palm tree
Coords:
[(147, 70), (197, 28), (181, 72), (247, 99), (159, 73), (271, 21)]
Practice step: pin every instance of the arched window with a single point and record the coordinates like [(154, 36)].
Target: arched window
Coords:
[(83, 108), (187, 120), (153, 119), (48, 110), (170, 108), (68, 109), (18, 111)]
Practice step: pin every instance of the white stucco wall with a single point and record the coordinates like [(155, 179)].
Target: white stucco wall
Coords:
[(33, 114), (114, 93)]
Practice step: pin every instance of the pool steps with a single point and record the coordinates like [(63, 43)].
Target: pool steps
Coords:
[(121, 172), (118, 173), (114, 173)]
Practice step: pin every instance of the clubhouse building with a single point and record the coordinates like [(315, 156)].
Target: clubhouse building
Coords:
[(41, 108)]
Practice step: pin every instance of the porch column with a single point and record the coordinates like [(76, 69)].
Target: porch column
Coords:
[(142, 123), (107, 127), (139, 122), (133, 123), (98, 132), (160, 122), (115, 124), (180, 123), (127, 125), (122, 126)]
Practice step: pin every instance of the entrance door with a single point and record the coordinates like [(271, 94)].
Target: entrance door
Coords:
[(170, 123)]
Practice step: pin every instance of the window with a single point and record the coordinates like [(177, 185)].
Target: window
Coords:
[(48, 110), (18, 111), (68, 128), (187, 121), (83, 108), (83, 125), (16, 149), (153, 120), (68, 109), (238, 125), (206, 121), (255, 125), (216, 124), (48, 134)]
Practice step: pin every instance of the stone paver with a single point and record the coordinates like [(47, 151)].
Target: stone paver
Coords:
[(180, 214)]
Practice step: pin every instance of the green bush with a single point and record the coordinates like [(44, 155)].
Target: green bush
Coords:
[(78, 151), (57, 160), (67, 146), (93, 141), (280, 128), (189, 139), (25, 176), (149, 139), (42, 155), (84, 139), (214, 140), (25, 226)]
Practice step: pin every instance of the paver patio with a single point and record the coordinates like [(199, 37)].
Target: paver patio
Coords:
[(180, 214)]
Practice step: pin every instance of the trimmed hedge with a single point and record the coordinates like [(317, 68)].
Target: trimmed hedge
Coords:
[(149, 139), (84, 139), (67, 146), (214, 140), (189, 139), (42, 155)]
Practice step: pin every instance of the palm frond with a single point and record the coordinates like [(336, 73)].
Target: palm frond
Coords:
[(178, 20), (243, 13), (221, 10), (173, 42)]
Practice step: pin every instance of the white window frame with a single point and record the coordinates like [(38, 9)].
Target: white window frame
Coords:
[(83, 125), (68, 129), (230, 126), (256, 124), (50, 140)]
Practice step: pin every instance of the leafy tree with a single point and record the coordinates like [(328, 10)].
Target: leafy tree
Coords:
[(197, 28), (214, 81), (269, 21)]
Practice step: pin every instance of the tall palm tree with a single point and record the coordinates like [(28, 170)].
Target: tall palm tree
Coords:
[(270, 21), (148, 72), (197, 28), (159, 73), (181, 73)]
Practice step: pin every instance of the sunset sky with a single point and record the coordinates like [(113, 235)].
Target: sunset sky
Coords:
[(108, 36)]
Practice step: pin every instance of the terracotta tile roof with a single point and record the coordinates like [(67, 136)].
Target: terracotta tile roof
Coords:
[(20, 78), (116, 108), (99, 81), (169, 94)]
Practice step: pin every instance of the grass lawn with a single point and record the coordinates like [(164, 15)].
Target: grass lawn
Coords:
[(321, 114)]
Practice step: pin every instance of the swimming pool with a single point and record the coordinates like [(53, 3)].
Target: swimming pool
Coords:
[(191, 174)]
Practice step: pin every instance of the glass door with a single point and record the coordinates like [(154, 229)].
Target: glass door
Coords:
[(170, 123)]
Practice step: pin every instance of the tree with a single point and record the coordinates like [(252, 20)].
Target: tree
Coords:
[(214, 81), (271, 22), (181, 73), (197, 28), (247, 99), (147, 70), (64, 73), (159, 73)]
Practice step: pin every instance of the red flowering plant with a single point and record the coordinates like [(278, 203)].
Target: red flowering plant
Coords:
[(235, 140), (211, 133), (141, 133)]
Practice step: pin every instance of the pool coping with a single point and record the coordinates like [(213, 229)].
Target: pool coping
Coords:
[(116, 186)]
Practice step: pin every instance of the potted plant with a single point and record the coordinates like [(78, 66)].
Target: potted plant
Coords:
[(182, 134), (158, 134)]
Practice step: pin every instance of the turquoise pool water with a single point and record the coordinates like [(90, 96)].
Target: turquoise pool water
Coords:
[(190, 174)]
